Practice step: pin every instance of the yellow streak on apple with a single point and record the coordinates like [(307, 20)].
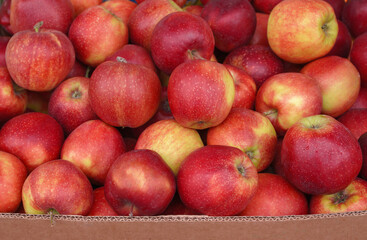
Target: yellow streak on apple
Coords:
[(137, 176), (28, 201), (7, 91), (294, 110), (229, 87), (55, 39)]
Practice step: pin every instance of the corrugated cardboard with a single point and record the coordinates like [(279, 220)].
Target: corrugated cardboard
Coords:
[(344, 226)]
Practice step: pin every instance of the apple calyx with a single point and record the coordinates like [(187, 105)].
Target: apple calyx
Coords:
[(121, 59), (76, 94), (241, 169), (340, 197), (253, 155), (37, 26)]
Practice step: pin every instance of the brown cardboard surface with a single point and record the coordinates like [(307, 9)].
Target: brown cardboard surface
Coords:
[(330, 226)]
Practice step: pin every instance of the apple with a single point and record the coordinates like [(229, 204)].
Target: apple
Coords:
[(176, 207), (100, 205), (320, 155), (59, 187), (80, 5), (192, 40), (13, 99), (275, 196), (34, 138), (134, 54), (217, 180), (354, 15), (358, 56), (3, 43), (362, 140), (355, 120), (139, 183), (145, 17), (260, 35), (5, 16), (124, 94), (257, 60), (38, 70), (69, 103), (338, 6), (121, 8), (93, 147), (249, 131), (245, 88), (233, 22), (56, 14), (193, 9), (352, 198), (180, 3), (200, 93), (276, 163), (285, 98), (339, 81), (300, 31), (361, 101), (171, 141), (265, 6), (78, 70), (343, 42), (97, 33), (12, 174)]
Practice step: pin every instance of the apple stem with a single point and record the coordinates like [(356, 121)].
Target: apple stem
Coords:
[(87, 72), (194, 54), (52, 213), (131, 210), (121, 59), (37, 26)]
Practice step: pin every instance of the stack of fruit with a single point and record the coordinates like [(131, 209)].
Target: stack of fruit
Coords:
[(153, 107)]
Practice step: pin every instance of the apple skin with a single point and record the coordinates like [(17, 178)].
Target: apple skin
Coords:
[(355, 120), (180, 3), (12, 174), (265, 6), (171, 141), (361, 101), (124, 94), (257, 60), (285, 98), (13, 99), (233, 22), (69, 103), (249, 131), (191, 103), (260, 35), (275, 196), (39, 70), (134, 54), (245, 88), (193, 9), (338, 6), (354, 15), (121, 8), (93, 147), (100, 205), (55, 14), (193, 39), (3, 43), (287, 30), (338, 79), (78, 70), (343, 42), (320, 155), (58, 186), (358, 56), (145, 17), (139, 183), (217, 180), (80, 5), (34, 138), (352, 198), (362, 140), (96, 33), (5, 16)]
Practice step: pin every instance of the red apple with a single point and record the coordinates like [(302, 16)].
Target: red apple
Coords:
[(100, 205), (5, 16), (260, 35), (192, 40), (245, 88), (354, 15), (81, 5), (12, 174), (69, 103), (124, 94), (361, 101), (58, 187), (320, 155), (3, 43), (34, 138), (233, 22), (343, 42), (300, 31), (39, 70), (78, 70), (285, 98), (362, 140), (180, 3), (121, 8), (358, 56), (352, 198), (257, 60), (193, 9), (339, 81), (171, 141), (93, 147), (248, 131), (217, 180), (265, 6), (145, 17), (276, 197), (97, 33), (200, 93), (139, 183), (355, 120), (13, 99)]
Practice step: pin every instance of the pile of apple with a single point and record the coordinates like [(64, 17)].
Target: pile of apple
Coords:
[(220, 107)]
